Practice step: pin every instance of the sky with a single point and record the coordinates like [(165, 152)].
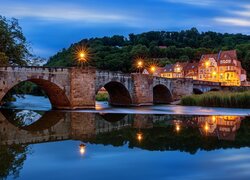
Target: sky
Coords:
[(50, 25)]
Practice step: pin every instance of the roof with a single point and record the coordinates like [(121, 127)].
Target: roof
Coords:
[(232, 55), (191, 66), (169, 68), (207, 56)]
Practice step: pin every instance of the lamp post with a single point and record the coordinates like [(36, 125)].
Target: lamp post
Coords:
[(81, 55), (140, 65), (152, 69)]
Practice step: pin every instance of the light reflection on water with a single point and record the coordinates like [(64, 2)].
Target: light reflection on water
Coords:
[(72, 145), (149, 146)]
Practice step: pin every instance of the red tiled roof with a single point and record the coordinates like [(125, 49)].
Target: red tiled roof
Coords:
[(232, 55)]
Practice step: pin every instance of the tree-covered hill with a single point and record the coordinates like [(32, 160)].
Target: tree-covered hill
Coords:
[(118, 52)]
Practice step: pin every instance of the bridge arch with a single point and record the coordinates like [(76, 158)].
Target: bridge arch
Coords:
[(55, 93), (197, 91), (118, 93), (214, 89), (162, 95)]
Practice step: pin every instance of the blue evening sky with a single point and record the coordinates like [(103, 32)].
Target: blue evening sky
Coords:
[(51, 25)]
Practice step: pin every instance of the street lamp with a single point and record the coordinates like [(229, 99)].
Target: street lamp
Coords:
[(81, 55), (152, 68), (140, 65)]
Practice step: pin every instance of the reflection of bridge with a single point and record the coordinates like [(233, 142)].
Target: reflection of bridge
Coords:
[(72, 88), (56, 126)]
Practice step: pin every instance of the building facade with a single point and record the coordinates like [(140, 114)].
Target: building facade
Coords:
[(223, 67)]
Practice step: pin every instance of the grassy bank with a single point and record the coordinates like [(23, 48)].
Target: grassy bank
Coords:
[(102, 96), (219, 99)]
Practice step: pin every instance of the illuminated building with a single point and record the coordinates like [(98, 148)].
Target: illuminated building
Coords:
[(208, 68), (223, 67), (168, 71)]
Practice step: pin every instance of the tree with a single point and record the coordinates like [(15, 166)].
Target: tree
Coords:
[(14, 49)]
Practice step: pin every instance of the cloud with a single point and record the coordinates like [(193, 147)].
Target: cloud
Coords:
[(236, 17), (63, 12), (233, 21), (193, 2)]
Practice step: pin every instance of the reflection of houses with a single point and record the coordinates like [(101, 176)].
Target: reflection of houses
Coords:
[(224, 127)]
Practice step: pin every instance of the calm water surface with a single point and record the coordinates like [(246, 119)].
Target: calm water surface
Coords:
[(36, 143)]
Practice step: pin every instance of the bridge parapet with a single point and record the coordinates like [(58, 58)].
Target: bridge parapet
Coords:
[(208, 83), (34, 69)]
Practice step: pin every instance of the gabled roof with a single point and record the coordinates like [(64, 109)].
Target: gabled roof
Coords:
[(191, 66), (232, 55), (169, 68), (207, 56)]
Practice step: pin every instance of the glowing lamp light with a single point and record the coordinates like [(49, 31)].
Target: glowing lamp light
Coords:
[(82, 149), (139, 136), (214, 119), (177, 127), (152, 69), (207, 63), (81, 54), (214, 73), (140, 63), (206, 127)]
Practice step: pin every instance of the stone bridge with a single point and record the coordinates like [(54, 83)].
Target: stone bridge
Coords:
[(76, 88)]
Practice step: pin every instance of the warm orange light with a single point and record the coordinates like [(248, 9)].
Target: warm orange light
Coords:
[(82, 149), (178, 127), (82, 54), (139, 136), (214, 73), (207, 63), (140, 63), (152, 69), (206, 127), (214, 119)]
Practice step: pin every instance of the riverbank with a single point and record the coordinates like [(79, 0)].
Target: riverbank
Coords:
[(219, 99)]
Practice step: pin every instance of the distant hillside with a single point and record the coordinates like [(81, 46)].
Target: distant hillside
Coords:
[(118, 53)]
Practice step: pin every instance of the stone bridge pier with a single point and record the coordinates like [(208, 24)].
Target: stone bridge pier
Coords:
[(76, 88)]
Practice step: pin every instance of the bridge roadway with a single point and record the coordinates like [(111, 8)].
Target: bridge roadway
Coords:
[(76, 88)]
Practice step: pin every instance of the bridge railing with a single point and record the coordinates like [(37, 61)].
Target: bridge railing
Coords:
[(209, 83), (32, 68)]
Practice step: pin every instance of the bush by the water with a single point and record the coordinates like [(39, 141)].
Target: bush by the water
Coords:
[(103, 96), (219, 99)]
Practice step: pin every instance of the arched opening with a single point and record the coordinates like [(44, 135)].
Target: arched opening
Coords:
[(41, 88), (197, 91), (214, 89), (32, 120), (116, 94), (110, 117), (161, 95)]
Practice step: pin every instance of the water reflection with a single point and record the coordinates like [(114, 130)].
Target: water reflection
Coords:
[(157, 130), (150, 132)]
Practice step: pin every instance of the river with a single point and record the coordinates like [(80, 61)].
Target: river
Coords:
[(152, 142)]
